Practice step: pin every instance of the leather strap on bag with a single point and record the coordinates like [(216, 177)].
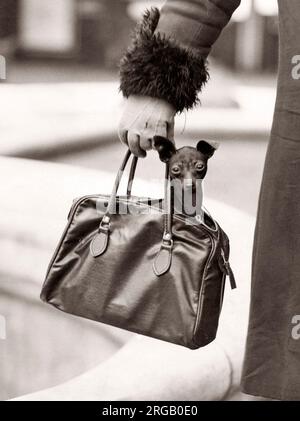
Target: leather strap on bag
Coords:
[(163, 259), (131, 175), (99, 243), (98, 246)]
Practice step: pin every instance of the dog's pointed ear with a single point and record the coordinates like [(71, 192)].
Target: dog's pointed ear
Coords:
[(207, 149), (165, 148)]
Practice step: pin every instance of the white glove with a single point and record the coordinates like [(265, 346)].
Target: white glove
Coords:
[(143, 118)]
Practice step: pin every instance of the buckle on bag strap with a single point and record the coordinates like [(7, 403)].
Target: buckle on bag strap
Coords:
[(167, 241), (163, 259), (100, 242)]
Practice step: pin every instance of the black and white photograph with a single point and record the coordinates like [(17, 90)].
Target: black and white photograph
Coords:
[(149, 203)]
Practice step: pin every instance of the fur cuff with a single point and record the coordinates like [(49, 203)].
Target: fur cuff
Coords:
[(158, 66)]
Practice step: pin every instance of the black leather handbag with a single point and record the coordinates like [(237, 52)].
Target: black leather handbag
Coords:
[(134, 264)]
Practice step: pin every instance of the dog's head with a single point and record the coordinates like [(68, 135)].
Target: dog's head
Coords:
[(186, 164)]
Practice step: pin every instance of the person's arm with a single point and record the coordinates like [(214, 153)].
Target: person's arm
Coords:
[(165, 68), (168, 57)]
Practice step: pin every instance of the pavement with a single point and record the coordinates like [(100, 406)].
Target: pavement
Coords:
[(43, 119), (41, 199), (40, 119)]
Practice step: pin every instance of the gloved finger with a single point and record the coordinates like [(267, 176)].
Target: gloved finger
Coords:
[(122, 133), (161, 129), (170, 130), (145, 142), (134, 145)]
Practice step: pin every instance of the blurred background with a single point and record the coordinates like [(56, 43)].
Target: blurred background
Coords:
[(60, 103), (62, 67)]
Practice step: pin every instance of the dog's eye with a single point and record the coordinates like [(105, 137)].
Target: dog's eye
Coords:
[(199, 166), (176, 169)]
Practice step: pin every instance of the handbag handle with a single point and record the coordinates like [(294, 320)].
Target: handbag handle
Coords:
[(99, 243), (131, 174), (163, 258)]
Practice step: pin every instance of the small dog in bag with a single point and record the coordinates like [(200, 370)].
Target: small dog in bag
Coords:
[(187, 169)]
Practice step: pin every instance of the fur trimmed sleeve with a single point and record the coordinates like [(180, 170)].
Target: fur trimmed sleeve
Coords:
[(167, 58), (158, 66)]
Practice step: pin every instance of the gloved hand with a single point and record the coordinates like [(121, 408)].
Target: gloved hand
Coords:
[(143, 118)]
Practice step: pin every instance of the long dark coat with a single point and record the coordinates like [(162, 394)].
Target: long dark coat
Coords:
[(168, 60), (272, 361)]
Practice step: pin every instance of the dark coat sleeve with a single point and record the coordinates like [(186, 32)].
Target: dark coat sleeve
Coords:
[(168, 55)]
